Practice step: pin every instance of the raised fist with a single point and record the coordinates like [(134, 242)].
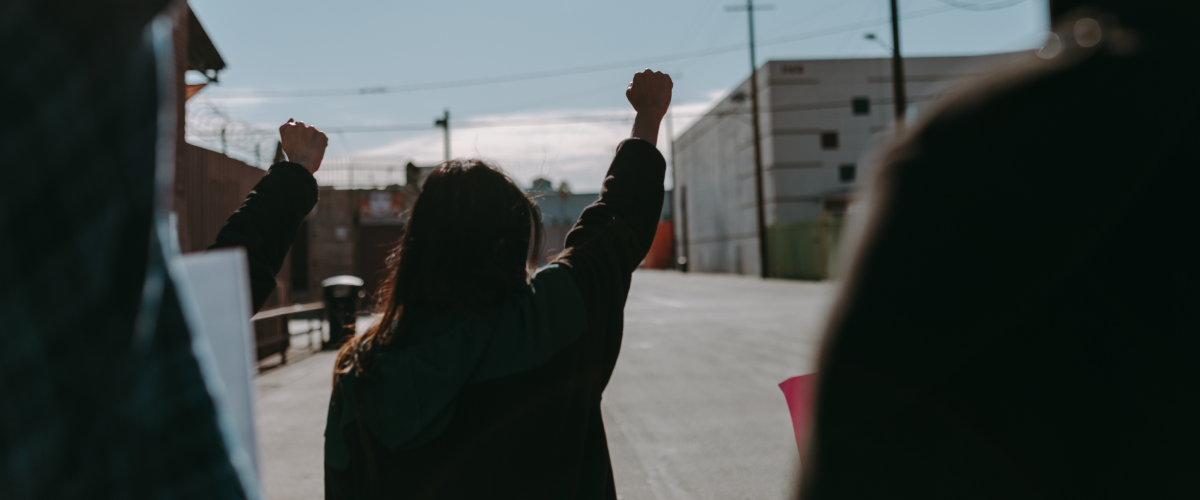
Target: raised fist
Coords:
[(303, 144), (650, 92)]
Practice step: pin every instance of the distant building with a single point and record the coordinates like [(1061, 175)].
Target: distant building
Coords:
[(352, 231), (561, 209), (820, 119)]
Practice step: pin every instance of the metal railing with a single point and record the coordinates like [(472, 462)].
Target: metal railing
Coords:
[(286, 312)]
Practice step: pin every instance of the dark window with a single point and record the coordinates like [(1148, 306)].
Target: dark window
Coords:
[(829, 140), (847, 172), (861, 105), (792, 69), (300, 259)]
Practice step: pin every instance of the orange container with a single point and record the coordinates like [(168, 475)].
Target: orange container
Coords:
[(660, 250)]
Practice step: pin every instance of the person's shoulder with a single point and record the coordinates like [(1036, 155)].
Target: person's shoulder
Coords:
[(554, 282), (640, 149), (554, 288)]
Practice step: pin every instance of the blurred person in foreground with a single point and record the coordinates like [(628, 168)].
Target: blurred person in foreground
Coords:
[(1019, 316), (483, 379)]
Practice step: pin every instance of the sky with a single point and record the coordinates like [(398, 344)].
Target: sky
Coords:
[(564, 121)]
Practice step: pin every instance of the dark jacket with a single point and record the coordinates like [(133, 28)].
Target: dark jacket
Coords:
[(1020, 318), (266, 224), (505, 403)]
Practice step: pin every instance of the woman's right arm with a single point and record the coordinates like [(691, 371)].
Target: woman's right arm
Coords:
[(614, 234)]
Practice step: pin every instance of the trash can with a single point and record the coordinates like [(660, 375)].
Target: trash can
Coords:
[(341, 294)]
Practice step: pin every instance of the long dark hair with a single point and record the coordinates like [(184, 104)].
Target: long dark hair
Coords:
[(472, 240)]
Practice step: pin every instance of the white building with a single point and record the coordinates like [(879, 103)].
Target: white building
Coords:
[(820, 119)]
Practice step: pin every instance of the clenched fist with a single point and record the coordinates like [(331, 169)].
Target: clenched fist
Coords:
[(650, 92), (650, 95), (303, 144)]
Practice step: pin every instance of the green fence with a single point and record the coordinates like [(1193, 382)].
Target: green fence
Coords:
[(804, 250)]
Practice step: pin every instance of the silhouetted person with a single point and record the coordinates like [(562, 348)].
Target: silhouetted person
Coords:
[(483, 379), (1020, 317), (102, 394)]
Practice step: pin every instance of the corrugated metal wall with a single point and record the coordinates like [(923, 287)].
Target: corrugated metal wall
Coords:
[(209, 187)]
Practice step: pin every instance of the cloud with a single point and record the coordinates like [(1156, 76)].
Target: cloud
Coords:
[(687, 114), (559, 145), (569, 145)]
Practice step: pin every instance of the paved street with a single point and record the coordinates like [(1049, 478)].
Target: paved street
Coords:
[(693, 410)]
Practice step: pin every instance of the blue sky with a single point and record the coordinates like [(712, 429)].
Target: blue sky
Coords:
[(273, 45)]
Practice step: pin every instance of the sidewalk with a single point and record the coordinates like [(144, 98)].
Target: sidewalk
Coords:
[(292, 403)]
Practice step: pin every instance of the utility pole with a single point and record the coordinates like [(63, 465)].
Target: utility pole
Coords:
[(683, 259), (758, 168), (898, 92), (444, 122)]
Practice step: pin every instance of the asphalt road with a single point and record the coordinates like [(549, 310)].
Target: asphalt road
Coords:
[(693, 411)]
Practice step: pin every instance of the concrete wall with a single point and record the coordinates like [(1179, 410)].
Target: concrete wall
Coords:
[(332, 231), (341, 242)]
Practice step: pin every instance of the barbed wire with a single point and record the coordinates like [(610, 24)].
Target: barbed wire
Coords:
[(210, 126)]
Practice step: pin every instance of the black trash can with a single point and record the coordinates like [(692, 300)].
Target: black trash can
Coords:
[(341, 294)]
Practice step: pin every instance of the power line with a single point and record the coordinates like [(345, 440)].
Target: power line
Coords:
[(471, 82), (563, 120), (982, 6), (403, 127), (577, 70)]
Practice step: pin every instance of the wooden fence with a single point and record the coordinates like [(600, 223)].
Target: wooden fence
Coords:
[(209, 187)]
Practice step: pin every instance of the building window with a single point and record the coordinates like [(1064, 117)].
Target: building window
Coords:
[(792, 69), (861, 105), (829, 140), (847, 172)]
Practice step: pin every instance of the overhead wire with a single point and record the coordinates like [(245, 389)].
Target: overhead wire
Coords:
[(573, 120), (810, 17), (537, 75), (414, 127), (868, 10), (982, 6), (607, 87), (709, 11)]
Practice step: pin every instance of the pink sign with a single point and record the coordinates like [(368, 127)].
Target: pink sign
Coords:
[(381, 208), (799, 394)]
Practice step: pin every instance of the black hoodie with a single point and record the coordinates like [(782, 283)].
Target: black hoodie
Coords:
[(505, 402)]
